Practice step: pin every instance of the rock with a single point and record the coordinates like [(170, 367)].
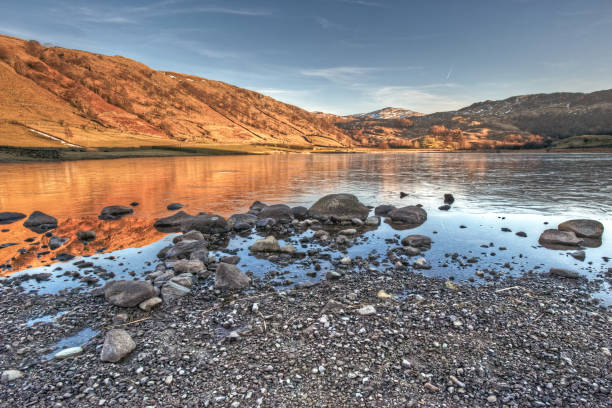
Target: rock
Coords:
[(11, 375), (350, 231), (339, 206), (491, 399), (553, 237), (117, 344), (56, 242), (417, 241), (420, 262), (67, 353), (402, 194), (411, 214), (367, 310), (256, 207), (280, 212), (234, 259), (40, 222), (383, 295), (265, 223), (583, 228), (189, 236), (86, 235), (182, 249), (175, 206), (564, 273), (172, 223), (288, 249), (159, 280), (579, 255), (268, 244), (346, 260), (127, 293), (115, 212), (134, 203), (431, 387), (333, 275), (192, 266), (172, 291), (372, 221), (357, 222), (8, 217), (444, 207), (521, 234), (200, 255), (206, 224), (300, 212), (230, 277), (412, 251), (149, 304), (448, 198), (184, 279), (240, 222), (384, 210)]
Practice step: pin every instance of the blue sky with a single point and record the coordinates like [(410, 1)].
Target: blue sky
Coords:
[(345, 56)]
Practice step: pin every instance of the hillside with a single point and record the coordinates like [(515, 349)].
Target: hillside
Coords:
[(388, 113), (54, 96)]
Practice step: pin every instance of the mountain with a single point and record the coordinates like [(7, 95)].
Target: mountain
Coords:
[(388, 113), (53, 96)]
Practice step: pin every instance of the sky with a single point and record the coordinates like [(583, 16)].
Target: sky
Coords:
[(345, 56)]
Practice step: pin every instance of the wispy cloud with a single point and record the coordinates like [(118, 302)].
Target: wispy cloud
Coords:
[(363, 3), (419, 99), (338, 73), (326, 24)]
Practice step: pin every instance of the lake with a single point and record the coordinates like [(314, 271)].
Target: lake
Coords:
[(520, 191)]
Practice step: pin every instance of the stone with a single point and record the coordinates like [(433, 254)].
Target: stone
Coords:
[(183, 249), (86, 235), (265, 223), (338, 206), (553, 237), (149, 304), (288, 249), (357, 222), (11, 375), (280, 212), (200, 255), (350, 231), (192, 266), (172, 291), (491, 399), (583, 228), (185, 279), (230, 277), (346, 260), (411, 214), (206, 224), (127, 293), (521, 234), (267, 244), (420, 262), (56, 242), (299, 212), (67, 353), (448, 198), (257, 206), (417, 241), (333, 275), (241, 222), (172, 223), (117, 344), (412, 251), (367, 310), (372, 221), (189, 236), (175, 206), (384, 210), (115, 212), (579, 255), (564, 273), (444, 207), (40, 222), (9, 217), (403, 194)]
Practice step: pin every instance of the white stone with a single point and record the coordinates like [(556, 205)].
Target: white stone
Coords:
[(69, 352)]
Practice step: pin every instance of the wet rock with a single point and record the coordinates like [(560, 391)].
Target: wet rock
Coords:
[(189, 236), (85, 236), (579, 255), (333, 275), (350, 231), (384, 210), (412, 215), (553, 237), (300, 212), (346, 260), (420, 263), (288, 249), (338, 206), (134, 204), (417, 241), (182, 249), (114, 212), (56, 242), (402, 194), (117, 344), (448, 198), (172, 291), (564, 273), (357, 222), (206, 224), (521, 234), (67, 353), (268, 244), (240, 222), (230, 277), (265, 223), (149, 304), (234, 259), (40, 222), (8, 217), (256, 207), (174, 206), (126, 293), (64, 257), (192, 266), (444, 207), (372, 221), (583, 228), (172, 223), (200, 255), (412, 251), (280, 212), (506, 229), (11, 375)]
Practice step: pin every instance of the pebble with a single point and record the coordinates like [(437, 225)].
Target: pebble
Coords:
[(11, 375), (69, 352), (367, 310)]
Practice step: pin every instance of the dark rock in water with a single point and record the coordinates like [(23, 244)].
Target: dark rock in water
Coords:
[(505, 229), (265, 223), (444, 207), (206, 224), (114, 212), (402, 194), (64, 257), (564, 273), (521, 234), (40, 222), (411, 214), (555, 239), (448, 198), (280, 212), (579, 255), (8, 244), (127, 293), (583, 228), (256, 207), (189, 236), (86, 235), (172, 223), (10, 217), (56, 242), (232, 260), (175, 206), (339, 206), (239, 221), (384, 210), (182, 249), (300, 212), (230, 277), (416, 241), (134, 203)]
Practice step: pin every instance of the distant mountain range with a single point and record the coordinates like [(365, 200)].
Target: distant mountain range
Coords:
[(57, 97)]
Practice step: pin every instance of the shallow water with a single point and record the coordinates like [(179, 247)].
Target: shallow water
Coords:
[(527, 189)]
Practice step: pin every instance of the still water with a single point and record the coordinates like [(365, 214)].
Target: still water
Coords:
[(518, 191)]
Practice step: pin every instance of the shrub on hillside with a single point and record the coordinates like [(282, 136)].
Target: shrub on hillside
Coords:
[(5, 54), (34, 48)]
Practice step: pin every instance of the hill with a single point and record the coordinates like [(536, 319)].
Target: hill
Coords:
[(388, 113)]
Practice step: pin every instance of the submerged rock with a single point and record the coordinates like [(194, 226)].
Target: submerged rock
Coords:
[(230, 277), (267, 244), (10, 217), (579, 255), (40, 222), (117, 344), (174, 206), (280, 212), (115, 212), (417, 241), (339, 206), (127, 293), (411, 214), (583, 228), (552, 238), (172, 223), (384, 210)]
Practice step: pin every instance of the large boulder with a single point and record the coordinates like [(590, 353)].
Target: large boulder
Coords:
[(40, 222), (117, 344), (10, 217), (267, 244), (299, 212), (555, 239), (172, 291), (583, 228), (114, 212), (126, 293), (412, 214), (417, 241), (384, 210), (256, 207), (280, 212), (339, 206), (241, 222), (172, 223), (230, 277), (194, 266), (182, 249), (206, 224)]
